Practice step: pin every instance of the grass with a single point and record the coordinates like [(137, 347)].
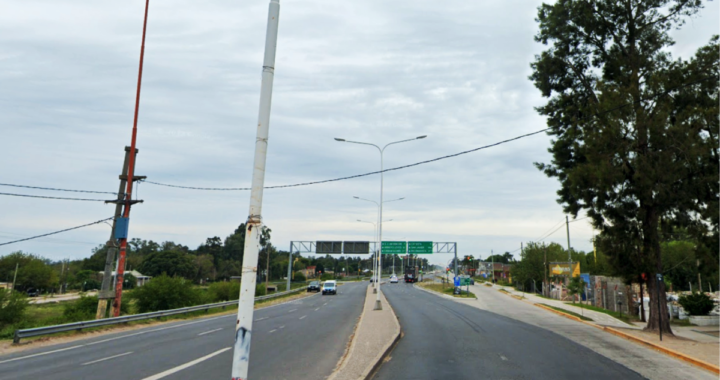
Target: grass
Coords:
[(681, 322), (488, 284), (584, 318), (441, 288), (502, 290), (627, 318)]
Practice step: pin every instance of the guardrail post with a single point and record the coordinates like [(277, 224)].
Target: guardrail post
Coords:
[(16, 338)]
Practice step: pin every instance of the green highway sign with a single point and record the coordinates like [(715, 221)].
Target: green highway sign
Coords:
[(420, 247), (394, 248)]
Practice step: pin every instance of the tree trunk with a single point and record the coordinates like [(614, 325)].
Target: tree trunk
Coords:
[(659, 319)]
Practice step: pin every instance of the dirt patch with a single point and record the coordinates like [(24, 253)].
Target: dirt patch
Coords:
[(707, 352)]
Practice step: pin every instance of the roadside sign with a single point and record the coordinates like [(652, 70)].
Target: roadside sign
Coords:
[(394, 248), (420, 247)]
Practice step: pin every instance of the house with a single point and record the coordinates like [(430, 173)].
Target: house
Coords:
[(309, 272), (141, 278)]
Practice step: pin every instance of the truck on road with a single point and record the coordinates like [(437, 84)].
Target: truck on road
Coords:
[(411, 274)]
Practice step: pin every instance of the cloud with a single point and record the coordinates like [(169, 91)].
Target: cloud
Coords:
[(372, 71)]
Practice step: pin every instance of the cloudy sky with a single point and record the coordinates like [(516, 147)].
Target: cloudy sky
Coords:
[(371, 70)]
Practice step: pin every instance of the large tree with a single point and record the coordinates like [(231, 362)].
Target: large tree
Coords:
[(634, 131)]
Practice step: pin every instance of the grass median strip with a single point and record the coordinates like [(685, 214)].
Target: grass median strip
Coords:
[(621, 316), (445, 289), (576, 315)]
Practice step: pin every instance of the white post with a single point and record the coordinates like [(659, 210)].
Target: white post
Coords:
[(243, 326), (378, 305)]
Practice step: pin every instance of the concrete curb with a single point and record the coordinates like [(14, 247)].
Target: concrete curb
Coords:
[(678, 355), (375, 363)]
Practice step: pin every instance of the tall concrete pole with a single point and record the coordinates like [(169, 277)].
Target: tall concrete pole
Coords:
[(243, 326)]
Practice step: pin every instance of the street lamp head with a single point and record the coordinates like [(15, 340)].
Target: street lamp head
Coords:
[(401, 198), (356, 197), (339, 139), (417, 138)]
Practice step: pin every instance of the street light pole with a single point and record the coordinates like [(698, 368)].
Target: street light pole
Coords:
[(378, 305), (377, 279)]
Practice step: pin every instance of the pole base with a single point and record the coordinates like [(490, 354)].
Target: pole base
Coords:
[(378, 305), (374, 290)]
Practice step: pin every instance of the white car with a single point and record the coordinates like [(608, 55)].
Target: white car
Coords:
[(393, 279)]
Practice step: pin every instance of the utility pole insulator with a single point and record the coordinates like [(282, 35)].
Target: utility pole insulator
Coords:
[(135, 177), (123, 202)]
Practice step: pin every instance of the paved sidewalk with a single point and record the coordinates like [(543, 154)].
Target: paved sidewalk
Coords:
[(597, 317), (375, 334)]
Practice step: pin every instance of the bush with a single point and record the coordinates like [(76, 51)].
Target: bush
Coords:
[(696, 304), (12, 307), (85, 308), (299, 276), (165, 293), (326, 276), (260, 290), (223, 291)]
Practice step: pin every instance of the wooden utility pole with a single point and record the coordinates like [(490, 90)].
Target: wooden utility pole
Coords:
[(106, 291), (17, 265), (545, 285), (699, 278)]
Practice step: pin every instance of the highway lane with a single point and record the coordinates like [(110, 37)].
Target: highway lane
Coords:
[(282, 335), (456, 341)]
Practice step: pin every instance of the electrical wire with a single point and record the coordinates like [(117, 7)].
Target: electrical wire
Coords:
[(57, 232), (353, 176), (434, 159), (60, 198), (56, 189)]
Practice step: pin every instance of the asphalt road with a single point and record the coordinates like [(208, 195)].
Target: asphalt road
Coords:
[(302, 339), (444, 339)]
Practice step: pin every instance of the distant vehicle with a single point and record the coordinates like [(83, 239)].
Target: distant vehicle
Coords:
[(411, 274), (314, 286), (33, 292), (393, 279), (329, 287)]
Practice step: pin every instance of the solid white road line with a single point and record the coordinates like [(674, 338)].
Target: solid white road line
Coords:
[(108, 358), (111, 339), (186, 365), (41, 354), (208, 332)]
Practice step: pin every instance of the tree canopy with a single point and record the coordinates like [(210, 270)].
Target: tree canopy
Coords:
[(634, 131)]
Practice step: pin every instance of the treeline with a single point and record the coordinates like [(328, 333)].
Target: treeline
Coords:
[(214, 260), (679, 256)]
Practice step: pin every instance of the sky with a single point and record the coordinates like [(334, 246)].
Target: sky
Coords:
[(371, 71)]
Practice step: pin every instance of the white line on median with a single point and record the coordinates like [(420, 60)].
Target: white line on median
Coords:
[(208, 332), (186, 365), (108, 358), (40, 354)]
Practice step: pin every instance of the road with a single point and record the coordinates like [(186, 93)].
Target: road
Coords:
[(457, 341), (200, 349)]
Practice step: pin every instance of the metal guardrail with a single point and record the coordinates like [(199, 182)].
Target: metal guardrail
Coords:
[(78, 326)]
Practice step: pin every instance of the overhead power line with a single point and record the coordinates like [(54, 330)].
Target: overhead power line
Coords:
[(60, 198), (57, 232), (56, 189), (354, 176)]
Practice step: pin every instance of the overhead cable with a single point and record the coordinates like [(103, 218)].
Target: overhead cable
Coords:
[(57, 232), (60, 198), (354, 176), (56, 189)]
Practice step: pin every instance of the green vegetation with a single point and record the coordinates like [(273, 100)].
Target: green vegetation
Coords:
[(696, 303), (165, 293), (446, 289), (627, 318), (584, 318), (12, 307)]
